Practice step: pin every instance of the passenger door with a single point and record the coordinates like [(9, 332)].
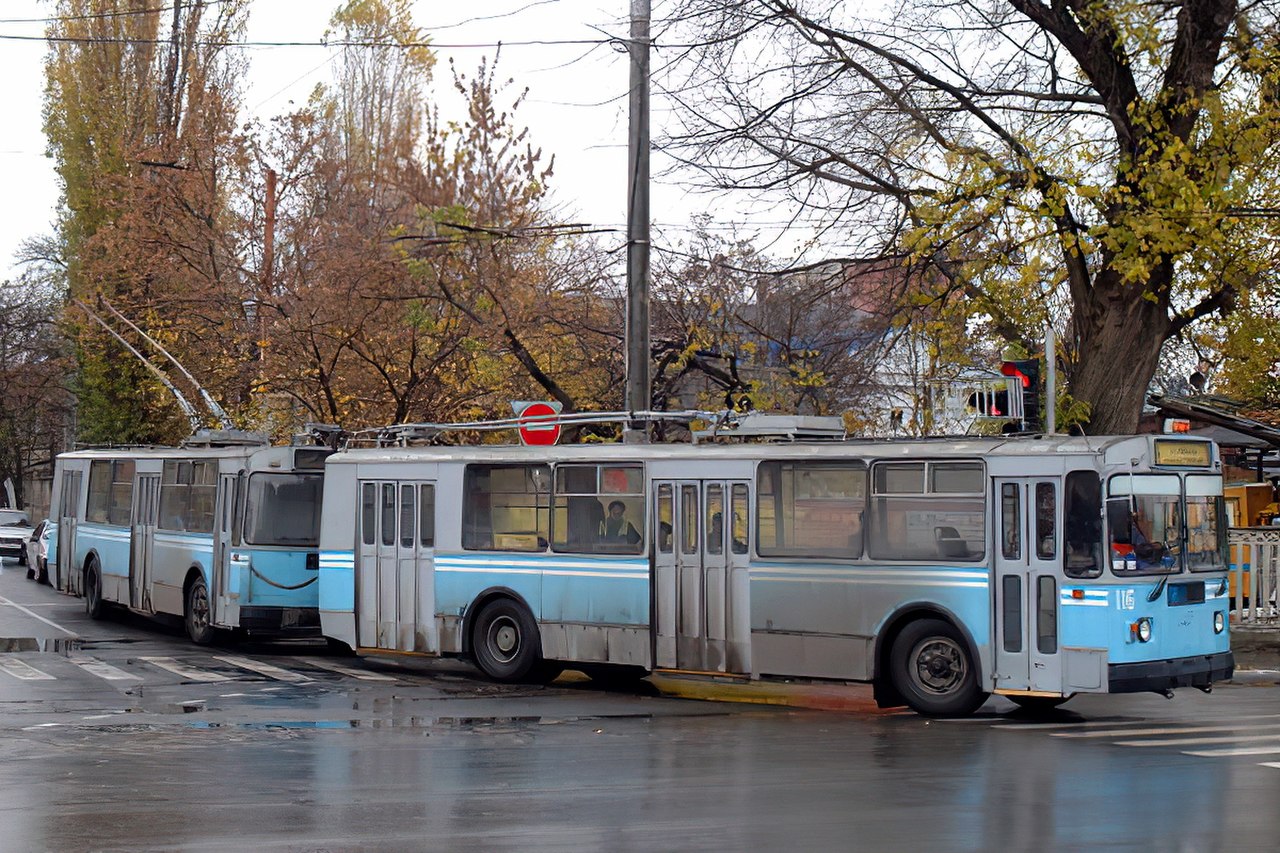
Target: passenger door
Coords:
[(226, 604), (701, 618), (395, 577), (142, 529), (67, 576), (1027, 548)]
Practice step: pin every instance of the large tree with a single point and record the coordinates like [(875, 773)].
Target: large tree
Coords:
[(140, 113), (1097, 165)]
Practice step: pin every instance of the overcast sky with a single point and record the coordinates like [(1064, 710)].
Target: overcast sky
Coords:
[(577, 106)]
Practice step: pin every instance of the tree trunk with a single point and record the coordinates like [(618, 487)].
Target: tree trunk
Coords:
[(1117, 358)]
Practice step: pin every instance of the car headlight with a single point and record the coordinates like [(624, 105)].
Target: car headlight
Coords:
[(1219, 622), (1142, 629)]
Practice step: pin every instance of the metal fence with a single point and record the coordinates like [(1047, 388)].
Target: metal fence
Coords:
[(1255, 571)]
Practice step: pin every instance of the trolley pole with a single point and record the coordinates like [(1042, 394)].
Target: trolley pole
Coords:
[(638, 391)]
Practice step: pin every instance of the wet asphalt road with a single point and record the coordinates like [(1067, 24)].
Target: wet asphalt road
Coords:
[(129, 738)]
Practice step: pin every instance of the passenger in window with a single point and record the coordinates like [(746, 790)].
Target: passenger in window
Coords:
[(615, 529)]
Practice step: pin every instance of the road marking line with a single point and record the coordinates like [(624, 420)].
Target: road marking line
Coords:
[(1174, 730), (18, 669), (1242, 750), (345, 670), (262, 668), (185, 671), (1197, 741), (93, 666), (6, 602), (1010, 726), (1275, 764)]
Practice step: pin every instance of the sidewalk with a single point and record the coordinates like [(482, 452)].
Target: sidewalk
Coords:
[(1257, 651)]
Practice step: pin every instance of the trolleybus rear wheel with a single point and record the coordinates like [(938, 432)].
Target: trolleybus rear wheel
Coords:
[(198, 617), (93, 604), (505, 643), (931, 667)]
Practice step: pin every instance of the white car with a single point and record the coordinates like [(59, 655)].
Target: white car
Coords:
[(38, 552), (15, 530)]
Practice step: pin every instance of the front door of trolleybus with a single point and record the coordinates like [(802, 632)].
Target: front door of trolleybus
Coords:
[(395, 582), (701, 615), (1026, 584)]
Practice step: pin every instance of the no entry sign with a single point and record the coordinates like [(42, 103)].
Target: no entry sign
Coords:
[(537, 425)]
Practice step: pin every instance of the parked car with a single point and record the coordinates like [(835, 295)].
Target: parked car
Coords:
[(15, 529), (38, 552)]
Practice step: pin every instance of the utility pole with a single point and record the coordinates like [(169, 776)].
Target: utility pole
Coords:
[(638, 391), (268, 261)]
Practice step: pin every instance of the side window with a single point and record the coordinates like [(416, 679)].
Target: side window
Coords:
[(427, 516), (715, 519), (738, 532), (927, 511), (506, 507), (666, 519), (388, 514), (1011, 521), (1082, 534), (810, 509), (1046, 521), (175, 490), (99, 492), (598, 509), (407, 515), (368, 512), (688, 519)]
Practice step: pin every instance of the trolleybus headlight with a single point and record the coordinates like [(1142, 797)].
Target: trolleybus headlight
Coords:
[(1142, 630), (1219, 622)]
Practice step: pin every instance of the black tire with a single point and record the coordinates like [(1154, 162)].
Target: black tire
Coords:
[(198, 615), (1037, 704), (339, 648), (505, 643), (31, 572), (93, 603), (933, 671), (43, 575)]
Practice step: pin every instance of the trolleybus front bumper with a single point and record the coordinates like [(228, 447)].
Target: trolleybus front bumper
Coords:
[(292, 621), (1161, 675)]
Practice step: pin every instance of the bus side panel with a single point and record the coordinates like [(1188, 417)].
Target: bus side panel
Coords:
[(821, 620), (595, 609), (462, 577), (111, 546), (175, 554)]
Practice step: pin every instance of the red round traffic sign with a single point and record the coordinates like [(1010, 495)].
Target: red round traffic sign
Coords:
[(537, 425)]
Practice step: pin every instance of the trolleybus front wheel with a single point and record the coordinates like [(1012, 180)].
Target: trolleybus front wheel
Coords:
[(505, 643), (931, 668), (93, 604), (198, 617)]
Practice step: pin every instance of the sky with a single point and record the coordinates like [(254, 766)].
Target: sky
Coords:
[(576, 107)]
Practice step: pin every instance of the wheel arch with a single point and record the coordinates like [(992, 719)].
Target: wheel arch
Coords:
[(886, 695), (193, 572), (493, 593)]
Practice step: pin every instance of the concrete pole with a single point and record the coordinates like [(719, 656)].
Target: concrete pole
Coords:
[(1050, 382), (638, 390)]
